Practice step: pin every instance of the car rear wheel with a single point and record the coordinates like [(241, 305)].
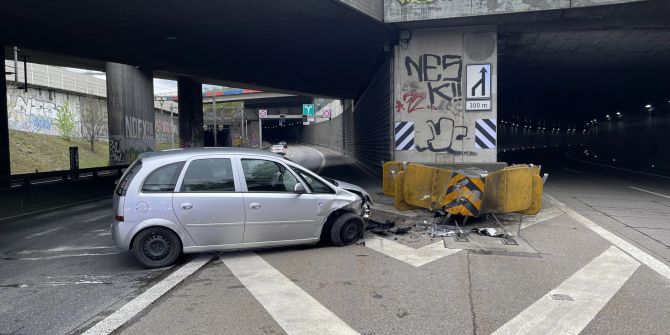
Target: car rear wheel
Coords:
[(156, 247), (346, 229)]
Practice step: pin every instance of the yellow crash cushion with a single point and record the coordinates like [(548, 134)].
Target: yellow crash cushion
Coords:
[(399, 199), (418, 185), (508, 190), (536, 204), (391, 169)]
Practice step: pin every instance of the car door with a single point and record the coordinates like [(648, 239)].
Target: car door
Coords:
[(274, 211), (209, 202)]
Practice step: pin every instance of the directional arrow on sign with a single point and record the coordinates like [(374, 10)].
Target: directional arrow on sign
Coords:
[(481, 82)]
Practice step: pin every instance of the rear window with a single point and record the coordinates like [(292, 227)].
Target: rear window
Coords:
[(209, 175), (124, 182), (163, 179)]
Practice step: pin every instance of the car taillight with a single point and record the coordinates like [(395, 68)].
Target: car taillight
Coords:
[(118, 218)]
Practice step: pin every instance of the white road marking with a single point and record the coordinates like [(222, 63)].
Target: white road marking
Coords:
[(323, 160), (109, 216), (571, 170), (650, 261), (435, 251), (66, 256), (589, 290), (129, 310), (544, 215), (409, 255), (44, 232), (392, 209), (654, 193), (295, 310), (65, 248)]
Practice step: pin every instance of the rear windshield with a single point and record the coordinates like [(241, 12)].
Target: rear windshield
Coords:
[(124, 182)]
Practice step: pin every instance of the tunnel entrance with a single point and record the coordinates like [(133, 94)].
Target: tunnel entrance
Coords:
[(599, 81)]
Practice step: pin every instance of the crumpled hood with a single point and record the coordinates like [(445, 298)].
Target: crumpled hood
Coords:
[(348, 186)]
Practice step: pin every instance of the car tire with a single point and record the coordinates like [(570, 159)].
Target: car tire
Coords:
[(346, 229), (156, 247)]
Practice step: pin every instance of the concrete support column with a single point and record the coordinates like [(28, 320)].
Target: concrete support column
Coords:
[(5, 168), (191, 132), (445, 95), (130, 106)]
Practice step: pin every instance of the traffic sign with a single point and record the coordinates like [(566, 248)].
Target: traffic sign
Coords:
[(326, 114), (308, 109), (262, 113), (478, 81)]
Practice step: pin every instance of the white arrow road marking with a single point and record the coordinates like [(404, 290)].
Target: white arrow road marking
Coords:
[(654, 193), (129, 310), (624, 245), (587, 291), (295, 310), (435, 251), (409, 255)]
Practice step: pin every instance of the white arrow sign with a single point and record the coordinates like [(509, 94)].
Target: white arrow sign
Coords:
[(478, 81)]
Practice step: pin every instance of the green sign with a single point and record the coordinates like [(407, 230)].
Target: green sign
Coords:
[(308, 109)]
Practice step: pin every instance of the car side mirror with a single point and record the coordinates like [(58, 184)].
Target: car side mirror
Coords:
[(299, 188)]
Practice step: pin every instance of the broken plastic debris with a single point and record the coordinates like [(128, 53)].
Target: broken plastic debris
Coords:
[(493, 232)]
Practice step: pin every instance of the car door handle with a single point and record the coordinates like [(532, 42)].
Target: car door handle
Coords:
[(254, 205), (186, 206)]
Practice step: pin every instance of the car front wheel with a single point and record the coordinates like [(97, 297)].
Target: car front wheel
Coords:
[(156, 247), (346, 229)]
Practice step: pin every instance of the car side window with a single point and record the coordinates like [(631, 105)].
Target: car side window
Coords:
[(314, 184), (209, 175), (163, 179), (267, 176)]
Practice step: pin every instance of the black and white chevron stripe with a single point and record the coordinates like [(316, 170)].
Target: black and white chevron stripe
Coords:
[(485, 134), (404, 135)]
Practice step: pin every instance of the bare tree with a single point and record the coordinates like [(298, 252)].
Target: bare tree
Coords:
[(93, 122)]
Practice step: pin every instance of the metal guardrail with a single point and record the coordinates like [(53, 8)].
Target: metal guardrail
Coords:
[(63, 176), (36, 192)]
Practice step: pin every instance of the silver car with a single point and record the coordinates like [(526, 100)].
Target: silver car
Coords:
[(194, 200)]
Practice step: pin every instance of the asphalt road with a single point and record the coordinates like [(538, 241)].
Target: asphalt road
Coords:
[(595, 261)]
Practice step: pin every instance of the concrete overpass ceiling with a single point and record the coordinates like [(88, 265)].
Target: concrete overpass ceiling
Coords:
[(320, 47), (586, 64)]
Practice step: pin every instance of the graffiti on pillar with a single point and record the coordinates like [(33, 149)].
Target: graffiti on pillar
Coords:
[(408, 2), (137, 128), (438, 75), (445, 136), (410, 102), (116, 155)]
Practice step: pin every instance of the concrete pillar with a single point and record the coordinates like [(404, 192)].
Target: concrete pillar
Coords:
[(191, 132), (445, 89), (130, 106), (5, 168)]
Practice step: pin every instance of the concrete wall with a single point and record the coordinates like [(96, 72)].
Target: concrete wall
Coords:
[(329, 133), (429, 93), (373, 8), (130, 102), (416, 10), (36, 111)]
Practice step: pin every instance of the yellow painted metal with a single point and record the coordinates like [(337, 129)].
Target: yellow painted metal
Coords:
[(418, 185), (441, 179), (399, 200), (508, 190), (464, 195), (536, 204), (391, 170)]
